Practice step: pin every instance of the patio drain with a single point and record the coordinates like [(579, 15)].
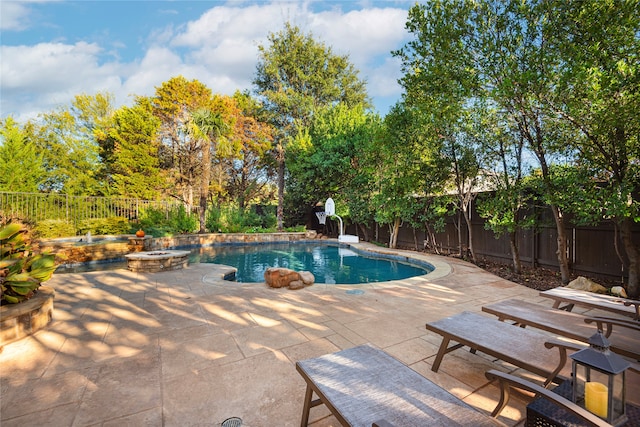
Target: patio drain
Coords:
[(232, 422), (355, 292)]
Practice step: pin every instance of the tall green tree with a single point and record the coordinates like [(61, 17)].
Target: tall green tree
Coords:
[(407, 168), (502, 209), (494, 51), (180, 155), (205, 127), (251, 168), (598, 94), (520, 67), (440, 81), (20, 161), (68, 139), (325, 160), (295, 76), (130, 153)]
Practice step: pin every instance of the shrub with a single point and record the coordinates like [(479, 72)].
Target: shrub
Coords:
[(183, 222), (111, 225), (157, 223), (52, 228), (213, 222), (22, 271)]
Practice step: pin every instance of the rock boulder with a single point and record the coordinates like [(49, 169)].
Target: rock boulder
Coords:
[(277, 277), (307, 278), (584, 284), (619, 291)]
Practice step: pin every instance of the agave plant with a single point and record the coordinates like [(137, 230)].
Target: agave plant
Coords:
[(22, 271)]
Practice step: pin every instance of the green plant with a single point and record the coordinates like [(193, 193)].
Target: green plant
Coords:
[(22, 270), (159, 223), (51, 228), (183, 222), (214, 220), (111, 225)]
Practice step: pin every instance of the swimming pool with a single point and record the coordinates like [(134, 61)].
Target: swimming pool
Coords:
[(329, 263)]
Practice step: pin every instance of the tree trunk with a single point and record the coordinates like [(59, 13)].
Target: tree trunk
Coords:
[(204, 184), (430, 240), (561, 251), (467, 220), (633, 289), (365, 232), (394, 229), (515, 253), (461, 249), (280, 210)]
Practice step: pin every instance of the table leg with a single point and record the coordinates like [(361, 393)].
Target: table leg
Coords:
[(307, 407), (442, 351)]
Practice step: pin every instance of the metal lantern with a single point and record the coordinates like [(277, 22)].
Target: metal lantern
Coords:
[(599, 380)]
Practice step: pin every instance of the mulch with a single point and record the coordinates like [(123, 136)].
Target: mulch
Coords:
[(538, 278)]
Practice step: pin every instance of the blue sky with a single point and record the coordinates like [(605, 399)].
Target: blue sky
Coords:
[(53, 50)]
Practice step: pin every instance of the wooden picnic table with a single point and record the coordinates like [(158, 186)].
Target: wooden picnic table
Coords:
[(618, 305), (364, 385)]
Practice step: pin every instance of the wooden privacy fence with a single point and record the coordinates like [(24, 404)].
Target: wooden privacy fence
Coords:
[(596, 251), (35, 207)]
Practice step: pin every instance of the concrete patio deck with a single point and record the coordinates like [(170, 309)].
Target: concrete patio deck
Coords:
[(185, 348)]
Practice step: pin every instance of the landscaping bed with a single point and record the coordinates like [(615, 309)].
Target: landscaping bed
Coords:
[(537, 278)]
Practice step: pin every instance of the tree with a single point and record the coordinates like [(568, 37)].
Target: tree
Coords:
[(439, 81), (502, 208), (325, 160), (20, 162), (406, 168), (205, 127), (520, 67), (250, 169), (295, 76), (130, 152), (465, 51), (68, 140), (173, 102), (598, 94)]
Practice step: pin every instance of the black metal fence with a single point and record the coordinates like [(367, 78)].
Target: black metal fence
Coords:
[(35, 207)]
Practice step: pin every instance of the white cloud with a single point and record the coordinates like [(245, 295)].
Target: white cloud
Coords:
[(37, 78), (226, 39), (363, 34), (14, 16), (220, 49)]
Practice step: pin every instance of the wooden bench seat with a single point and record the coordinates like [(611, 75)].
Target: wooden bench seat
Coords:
[(571, 297), (524, 348), (623, 336), (363, 385)]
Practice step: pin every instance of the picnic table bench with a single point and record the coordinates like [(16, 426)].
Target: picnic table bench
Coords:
[(363, 385), (625, 341), (524, 348), (618, 305)]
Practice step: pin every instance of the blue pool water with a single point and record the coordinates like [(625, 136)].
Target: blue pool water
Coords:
[(330, 264)]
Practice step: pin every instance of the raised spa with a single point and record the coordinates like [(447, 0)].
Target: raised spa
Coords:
[(155, 261)]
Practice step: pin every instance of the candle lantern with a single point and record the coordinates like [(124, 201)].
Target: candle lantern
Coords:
[(599, 380)]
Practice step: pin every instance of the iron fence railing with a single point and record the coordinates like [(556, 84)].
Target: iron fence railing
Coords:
[(35, 207)]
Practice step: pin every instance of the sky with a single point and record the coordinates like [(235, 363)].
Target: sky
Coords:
[(52, 50)]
